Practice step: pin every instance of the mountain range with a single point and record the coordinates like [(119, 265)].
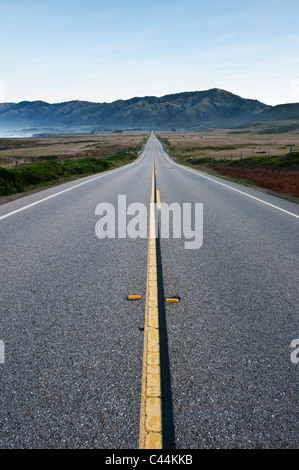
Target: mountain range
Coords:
[(187, 110)]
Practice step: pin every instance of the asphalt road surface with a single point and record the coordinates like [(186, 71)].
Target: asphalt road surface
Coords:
[(71, 377)]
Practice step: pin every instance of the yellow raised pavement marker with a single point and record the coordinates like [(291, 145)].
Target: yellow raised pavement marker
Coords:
[(172, 299), (134, 297)]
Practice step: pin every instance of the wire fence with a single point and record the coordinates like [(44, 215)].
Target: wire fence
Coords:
[(245, 153)]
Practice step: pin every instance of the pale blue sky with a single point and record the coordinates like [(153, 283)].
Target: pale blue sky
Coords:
[(100, 51)]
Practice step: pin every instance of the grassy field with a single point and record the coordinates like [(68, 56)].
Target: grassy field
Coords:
[(227, 143), (28, 164), (14, 152), (219, 152)]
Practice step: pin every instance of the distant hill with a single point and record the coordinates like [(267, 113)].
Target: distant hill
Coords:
[(280, 112), (187, 110)]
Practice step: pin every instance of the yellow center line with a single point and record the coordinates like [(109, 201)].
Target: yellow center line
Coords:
[(150, 433), (158, 199)]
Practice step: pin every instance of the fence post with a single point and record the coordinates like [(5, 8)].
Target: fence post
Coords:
[(269, 151)]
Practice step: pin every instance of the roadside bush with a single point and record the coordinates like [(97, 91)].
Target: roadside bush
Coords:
[(290, 161), (84, 165), (122, 157), (198, 160), (38, 172), (10, 182), (14, 180)]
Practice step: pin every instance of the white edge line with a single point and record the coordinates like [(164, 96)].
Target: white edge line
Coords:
[(198, 173), (69, 189)]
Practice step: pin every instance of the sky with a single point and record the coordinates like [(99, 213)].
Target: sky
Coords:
[(104, 50)]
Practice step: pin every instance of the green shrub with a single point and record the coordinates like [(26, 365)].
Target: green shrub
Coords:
[(14, 180), (199, 160), (10, 182), (38, 172), (290, 161)]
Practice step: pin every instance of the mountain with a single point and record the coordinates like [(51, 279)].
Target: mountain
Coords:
[(187, 110), (280, 112)]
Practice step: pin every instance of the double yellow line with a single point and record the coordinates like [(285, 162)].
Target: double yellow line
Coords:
[(150, 434)]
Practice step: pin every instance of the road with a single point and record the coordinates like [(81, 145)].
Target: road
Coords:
[(74, 343)]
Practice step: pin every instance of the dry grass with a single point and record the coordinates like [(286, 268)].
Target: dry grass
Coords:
[(225, 142), (101, 145)]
